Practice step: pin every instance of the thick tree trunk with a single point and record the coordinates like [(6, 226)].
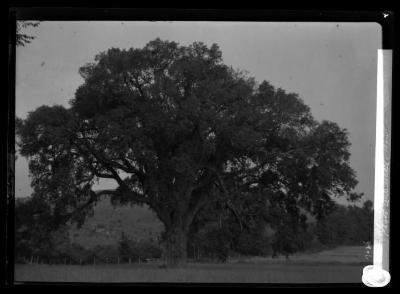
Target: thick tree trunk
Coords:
[(177, 222), (176, 247)]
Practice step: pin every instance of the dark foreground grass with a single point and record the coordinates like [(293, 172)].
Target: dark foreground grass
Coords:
[(194, 273)]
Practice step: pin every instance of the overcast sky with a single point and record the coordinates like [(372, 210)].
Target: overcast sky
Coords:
[(332, 66)]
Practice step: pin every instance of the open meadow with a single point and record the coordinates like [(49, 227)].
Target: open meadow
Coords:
[(341, 265), (195, 273)]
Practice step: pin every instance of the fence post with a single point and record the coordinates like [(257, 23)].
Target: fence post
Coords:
[(94, 260), (118, 259)]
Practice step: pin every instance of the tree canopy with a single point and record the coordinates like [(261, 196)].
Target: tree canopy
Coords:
[(177, 129)]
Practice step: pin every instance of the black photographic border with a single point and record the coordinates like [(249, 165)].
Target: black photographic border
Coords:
[(66, 12)]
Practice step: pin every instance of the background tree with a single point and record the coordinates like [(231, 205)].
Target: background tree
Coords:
[(36, 232), (347, 225), (124, 246), (177, 130)]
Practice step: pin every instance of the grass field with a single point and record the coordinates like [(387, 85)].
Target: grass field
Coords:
[(342, 254), (195, 273), (339, 265)]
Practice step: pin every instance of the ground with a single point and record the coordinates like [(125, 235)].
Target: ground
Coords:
[(196, 273), (341, 265)]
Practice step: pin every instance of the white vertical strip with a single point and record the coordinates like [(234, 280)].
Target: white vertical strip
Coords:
[(379, 167), (377, 275), (387, 116)]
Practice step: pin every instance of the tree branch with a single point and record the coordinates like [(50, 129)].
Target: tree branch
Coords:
[(228, 203), (93, 198)]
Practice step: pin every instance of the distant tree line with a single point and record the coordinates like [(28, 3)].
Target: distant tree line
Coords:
[(220, 234)]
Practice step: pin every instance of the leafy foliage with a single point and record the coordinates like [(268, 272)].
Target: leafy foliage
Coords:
[(141, 250), (350, 225), (236, 226), (35, 230)]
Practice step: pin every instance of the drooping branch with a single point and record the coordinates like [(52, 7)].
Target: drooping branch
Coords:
[(129, 168), (94, 197), (228, 200), (204, 198)]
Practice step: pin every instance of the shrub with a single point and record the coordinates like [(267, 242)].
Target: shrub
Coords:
[(143, 250)]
